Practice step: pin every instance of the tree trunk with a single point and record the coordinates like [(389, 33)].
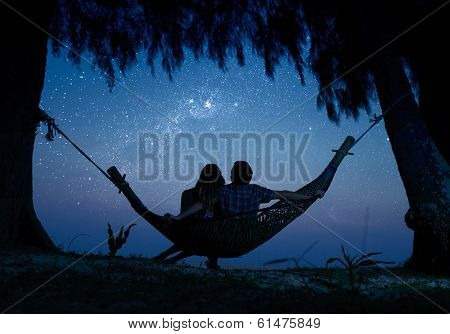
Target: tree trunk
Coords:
[(430, 65), (23, 56), (424, 171)]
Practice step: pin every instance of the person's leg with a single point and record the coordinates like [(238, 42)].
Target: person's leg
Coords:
[(177, 258), (171, 250), (211, 263)]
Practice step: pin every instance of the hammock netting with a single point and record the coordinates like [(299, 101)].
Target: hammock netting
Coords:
[(234, 236)]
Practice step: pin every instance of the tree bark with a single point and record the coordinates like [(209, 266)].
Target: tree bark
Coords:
[(23, 56), (424, 171), (430, 65)]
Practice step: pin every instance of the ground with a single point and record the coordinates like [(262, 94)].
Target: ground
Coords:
[(99, 284)]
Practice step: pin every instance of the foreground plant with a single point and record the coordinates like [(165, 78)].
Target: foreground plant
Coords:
[(352, 264), (115, 243)]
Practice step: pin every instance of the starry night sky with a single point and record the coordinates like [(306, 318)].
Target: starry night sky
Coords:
[(74, 199)]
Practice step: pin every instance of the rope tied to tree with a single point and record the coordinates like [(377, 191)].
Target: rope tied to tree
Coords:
[(377, 118), (52, 129)]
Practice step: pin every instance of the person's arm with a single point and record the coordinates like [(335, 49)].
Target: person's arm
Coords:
[(193, 209), (294, 196)]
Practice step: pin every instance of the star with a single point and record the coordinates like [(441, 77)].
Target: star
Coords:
[(207, 104)]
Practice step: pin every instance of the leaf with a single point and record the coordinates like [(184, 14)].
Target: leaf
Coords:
[(372, 254), (110, 232), (111, 240), (334, 259), (112, 244), (346, 257), (278, 261), (127, 231), (331, 260), (308, 249), (368, 263), (343, 249), (120, 235), (352, 261), (368, 255)]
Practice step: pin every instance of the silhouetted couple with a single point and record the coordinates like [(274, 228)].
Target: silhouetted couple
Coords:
[(211, 198)]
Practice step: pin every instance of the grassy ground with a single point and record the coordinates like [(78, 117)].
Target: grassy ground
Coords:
[(99, 284)]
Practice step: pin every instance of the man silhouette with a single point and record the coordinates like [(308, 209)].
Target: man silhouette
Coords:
[(241, 196)]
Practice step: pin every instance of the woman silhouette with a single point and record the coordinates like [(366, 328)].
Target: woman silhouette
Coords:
[(204, 193), (201, 201)]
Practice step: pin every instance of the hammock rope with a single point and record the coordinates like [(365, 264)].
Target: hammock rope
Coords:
[(377, 118), (53, 128)]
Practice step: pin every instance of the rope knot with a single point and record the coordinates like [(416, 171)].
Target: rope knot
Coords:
[(51, 125), (51, 129), (376, 118)]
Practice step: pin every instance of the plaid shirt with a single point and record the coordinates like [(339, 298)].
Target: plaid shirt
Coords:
[(235, 199)]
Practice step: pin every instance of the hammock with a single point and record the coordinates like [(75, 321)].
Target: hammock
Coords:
[(230, 236), (233, 236)]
